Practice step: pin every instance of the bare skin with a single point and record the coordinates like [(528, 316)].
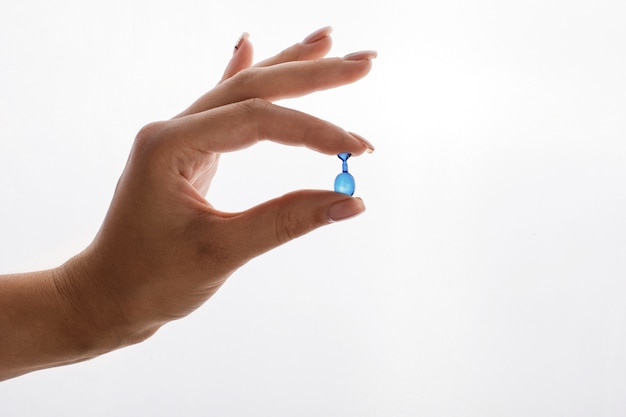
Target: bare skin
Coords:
[(163, 250)]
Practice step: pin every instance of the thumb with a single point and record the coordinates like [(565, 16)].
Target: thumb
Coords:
[(280, 220)]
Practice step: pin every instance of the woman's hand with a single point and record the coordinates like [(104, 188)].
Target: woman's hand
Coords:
[(163, 250)]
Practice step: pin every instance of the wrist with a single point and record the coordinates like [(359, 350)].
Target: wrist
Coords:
[(61, 316), (99, 315)]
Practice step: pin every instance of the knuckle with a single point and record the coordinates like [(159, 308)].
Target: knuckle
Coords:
[(255, 112), (246, 78), (255, 105), (289, 54), (289, 225), (149, 136), (150, 131)]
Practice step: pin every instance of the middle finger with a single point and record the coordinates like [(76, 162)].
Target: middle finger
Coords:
[(285, 80)]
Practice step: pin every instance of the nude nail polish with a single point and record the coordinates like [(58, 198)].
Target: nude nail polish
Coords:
[(317, 35), (368, 146), (361, 56), (242, 38)]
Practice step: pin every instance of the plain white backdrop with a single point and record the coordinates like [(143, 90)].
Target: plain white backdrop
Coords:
[(487, 278)]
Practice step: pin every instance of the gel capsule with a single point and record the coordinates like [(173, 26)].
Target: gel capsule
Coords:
[(344, 182)]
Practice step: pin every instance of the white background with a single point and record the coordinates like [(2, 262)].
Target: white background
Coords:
[(487, 278)]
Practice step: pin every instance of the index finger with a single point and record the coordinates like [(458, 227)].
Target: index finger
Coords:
[(240, 125)]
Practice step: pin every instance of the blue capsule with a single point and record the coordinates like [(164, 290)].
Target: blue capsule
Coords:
[(344, 182)]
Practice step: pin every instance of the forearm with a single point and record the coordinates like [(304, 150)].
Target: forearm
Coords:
[(47, 320)]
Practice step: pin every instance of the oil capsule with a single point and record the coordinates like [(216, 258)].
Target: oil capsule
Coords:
[(344, 182)]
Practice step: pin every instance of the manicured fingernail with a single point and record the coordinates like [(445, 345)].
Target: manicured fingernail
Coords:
[(361, 55), (242, 38), (317, 35), (369, 147), (345, 209)]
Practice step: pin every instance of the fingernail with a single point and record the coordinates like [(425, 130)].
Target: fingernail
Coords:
[(369, 147), (361, 55), (345, 209), (317, 35), (242, 38)]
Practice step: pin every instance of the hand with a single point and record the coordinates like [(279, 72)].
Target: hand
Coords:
[(163, 250)]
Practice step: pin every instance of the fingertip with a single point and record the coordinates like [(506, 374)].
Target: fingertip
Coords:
[(242, 39), (243, 53), (345, 209), (369, 148), (318, 49), (366, 55), (318, 35), (244, 48)]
